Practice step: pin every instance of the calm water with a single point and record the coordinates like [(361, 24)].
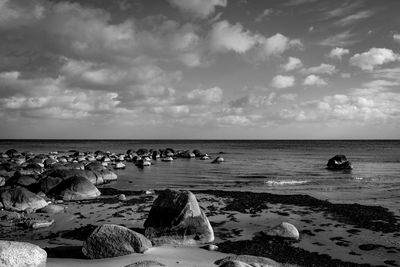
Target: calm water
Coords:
[(268, 166)]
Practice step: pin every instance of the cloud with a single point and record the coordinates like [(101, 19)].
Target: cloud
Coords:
[(338, 53), (353, 18), (277, 44), (267, 12), (252, 101), (373, 58), (206, 96), (321, 69), (345, 38), (198, 8), (299, 2), (292, 64), (281, 81), (396, 37), (314, 80)]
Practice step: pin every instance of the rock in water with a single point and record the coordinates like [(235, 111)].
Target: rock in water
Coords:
[(176, 218), (218, 160), (246, 260), (284, 230), (21, 199), (111, 240), (75, 188), (17, 254), (339, 162)]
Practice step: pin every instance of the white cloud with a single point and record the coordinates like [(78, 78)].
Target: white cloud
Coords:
[(321, 69), (226, 37), (374, 57), (198, 8), (281, 81), (288, 97), (338, 53), (267, 12), (396, 37), (345, 38), (277, 44), (206, 96), (314, 80), (353, 18), (292, 64)]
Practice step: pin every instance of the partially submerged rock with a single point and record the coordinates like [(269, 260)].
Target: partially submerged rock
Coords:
[(284, 230), (17, 254), (110, 240), (176, 218), (75, 188), (246, 260), (339, 162), (21, 199)]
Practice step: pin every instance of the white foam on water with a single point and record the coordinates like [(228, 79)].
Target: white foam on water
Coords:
[(285, 182)]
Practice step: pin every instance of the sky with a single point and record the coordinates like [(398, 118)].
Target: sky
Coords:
[(200, 69)]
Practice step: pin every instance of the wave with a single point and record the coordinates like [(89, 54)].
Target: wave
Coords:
[(285, 182)]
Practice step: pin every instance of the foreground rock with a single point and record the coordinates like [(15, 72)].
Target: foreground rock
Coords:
[(339, 162), (111, 240), (176, 218), (18, 254), (246, 261), (21, 199), (75, 188), (284, 230)]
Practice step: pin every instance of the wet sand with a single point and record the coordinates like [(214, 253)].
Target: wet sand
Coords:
[(331, 234)]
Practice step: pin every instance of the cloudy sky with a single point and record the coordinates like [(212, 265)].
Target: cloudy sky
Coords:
[(200, 69)]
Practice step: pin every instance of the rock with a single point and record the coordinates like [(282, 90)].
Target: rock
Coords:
[(167, 159), (247, 260), (176, 218), (218, 160), (52, 208), (122, 197), (94, 166), (21, 199), (49, 162), (339, 162), (36, 224), (211, 247), (75, 188), (95, 178), (119, 165), (284, 230), (145, 263), (111, 240), (48, 183), (26, 180), (18, 254), (10, 153), (2, 181), (107, 175)]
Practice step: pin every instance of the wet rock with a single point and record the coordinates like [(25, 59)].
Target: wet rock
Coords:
[(94, 166), (36, 224), (52, 208), (211, 247), (95, 178), (145, 263), (339, 162), (218, 160), (17, 254), (21, 199), (176, 218), (107, 175), (247, 260), (119, 165), (75, 188), (284, 230), (111, 240)]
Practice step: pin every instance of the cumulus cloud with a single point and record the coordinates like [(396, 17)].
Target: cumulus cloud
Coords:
[(338, 53), (292, 64), (321, 69), (277, 44), (198, 8), (206, 96), (314, 80), (281, 81), (373, 58), (226, 37)]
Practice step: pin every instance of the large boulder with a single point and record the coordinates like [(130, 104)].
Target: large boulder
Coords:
[(176, 218), (94, 177), (21, 199), (111, 240), (75, 188), (246, 261), (49, 182), (339, 162), (18, 254), (284, 230)]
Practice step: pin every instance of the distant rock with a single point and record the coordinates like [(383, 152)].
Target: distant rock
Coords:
[(339, 162), (176, 218), (218, 160), (246, 261), (18, 254), (75, 188), (21, 199), (94, 177), (94, 166), (111, 240), (284, 230), (145, 263)]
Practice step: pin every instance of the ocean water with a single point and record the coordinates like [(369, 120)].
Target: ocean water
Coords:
[(277, 166)]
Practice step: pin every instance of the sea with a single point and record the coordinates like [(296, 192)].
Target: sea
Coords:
[(275, 166)]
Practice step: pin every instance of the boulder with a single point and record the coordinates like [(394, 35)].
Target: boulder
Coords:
[(95, 178), (106, 175), (2, 181), (176, 218), (37, 224), (246, 260), (75, 188), (49, 182), (21, 199), (284, 230), (17, 254), (25, 180), (339, 162), (111, 240), (218, 160), (94, 166)]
